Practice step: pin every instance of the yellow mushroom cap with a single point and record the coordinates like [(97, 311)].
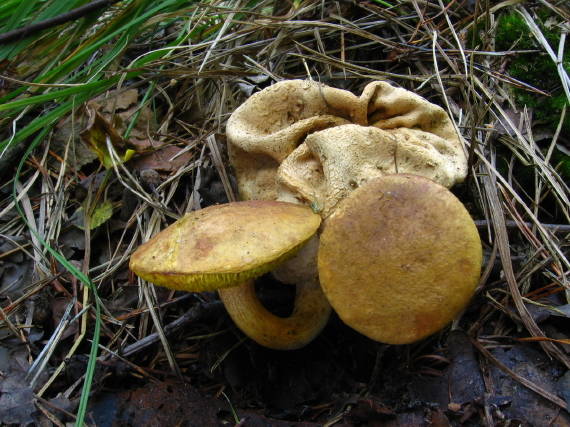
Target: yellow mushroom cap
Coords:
[(224, 245), (399, 258)]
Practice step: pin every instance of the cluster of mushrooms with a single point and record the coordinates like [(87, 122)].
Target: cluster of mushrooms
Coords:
[(345, 198)]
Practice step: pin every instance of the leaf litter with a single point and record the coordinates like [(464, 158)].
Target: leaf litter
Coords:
[(166, 95)]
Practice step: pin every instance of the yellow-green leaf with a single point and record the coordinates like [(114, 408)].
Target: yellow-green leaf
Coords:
[(101, 214)]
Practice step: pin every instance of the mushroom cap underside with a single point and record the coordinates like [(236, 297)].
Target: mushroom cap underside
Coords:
[(224, 245), (399, 258)]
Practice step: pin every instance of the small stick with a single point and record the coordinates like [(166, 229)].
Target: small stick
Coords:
[(521, 380), (199, 311), (57, 408), (56, 20), (562, 228)]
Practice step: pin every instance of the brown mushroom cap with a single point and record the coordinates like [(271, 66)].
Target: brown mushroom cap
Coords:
[(224, 245), (399, 258)]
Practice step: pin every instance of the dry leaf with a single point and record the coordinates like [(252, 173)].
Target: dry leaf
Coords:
[(167, 159)]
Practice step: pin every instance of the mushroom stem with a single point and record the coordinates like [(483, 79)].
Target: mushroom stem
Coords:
[(309, 316)]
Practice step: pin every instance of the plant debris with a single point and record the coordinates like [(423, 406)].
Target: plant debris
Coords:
[(112, 126)]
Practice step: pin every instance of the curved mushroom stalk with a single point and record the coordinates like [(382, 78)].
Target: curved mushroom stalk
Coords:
[(309, 316), (311, 309)]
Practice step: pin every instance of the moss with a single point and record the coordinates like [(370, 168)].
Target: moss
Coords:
[(536, 69), (512, 32)]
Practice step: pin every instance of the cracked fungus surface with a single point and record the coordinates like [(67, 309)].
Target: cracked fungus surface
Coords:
[(399, 258), (224, 244)]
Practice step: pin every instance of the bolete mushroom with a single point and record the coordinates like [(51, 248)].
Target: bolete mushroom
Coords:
[(308, 143), (229, 245), (399, 258)]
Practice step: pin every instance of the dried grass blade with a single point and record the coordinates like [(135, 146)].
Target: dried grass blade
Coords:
[(219, 164), (158, 325), (557, 59), (502, 238)]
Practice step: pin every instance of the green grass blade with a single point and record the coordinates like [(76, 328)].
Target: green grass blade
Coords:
[(45, 121), (54, 95), (81, 412), (28, 13)]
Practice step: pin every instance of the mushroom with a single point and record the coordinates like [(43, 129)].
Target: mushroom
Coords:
[(399, 258), (333, 162), (307, 143), (229, 245)]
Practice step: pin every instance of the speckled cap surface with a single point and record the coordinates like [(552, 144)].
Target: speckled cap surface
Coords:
[(399, 258), (221, 245)]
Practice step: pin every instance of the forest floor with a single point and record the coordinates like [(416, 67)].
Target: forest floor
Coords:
[(112, 126)]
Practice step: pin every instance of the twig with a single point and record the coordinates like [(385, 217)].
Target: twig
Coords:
[(528, 384), (49, 415), (562, 228), (14, 250), (11, 326), (199, 311), (57, 408), (77, 13), (128, 362)]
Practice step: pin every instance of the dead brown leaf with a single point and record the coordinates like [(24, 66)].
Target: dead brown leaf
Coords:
[(167, 159)]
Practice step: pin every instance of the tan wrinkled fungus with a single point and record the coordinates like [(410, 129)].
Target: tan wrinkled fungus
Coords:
[(305, 142)]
